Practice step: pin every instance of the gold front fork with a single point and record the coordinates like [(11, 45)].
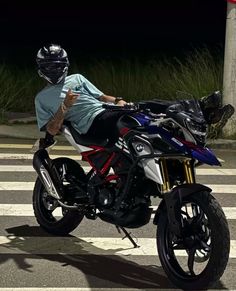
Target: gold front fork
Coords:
[(188, 172), (165, 187)]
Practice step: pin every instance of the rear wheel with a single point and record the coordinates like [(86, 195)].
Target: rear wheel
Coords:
[(198, 259), (47, 210)]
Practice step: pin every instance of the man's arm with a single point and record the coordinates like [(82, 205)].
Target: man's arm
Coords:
[(54, 125), (112, 99)]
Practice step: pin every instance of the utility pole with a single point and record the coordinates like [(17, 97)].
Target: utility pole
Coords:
[(229, 80)]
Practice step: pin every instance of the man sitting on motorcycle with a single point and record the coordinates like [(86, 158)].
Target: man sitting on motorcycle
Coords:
[(74, 98)]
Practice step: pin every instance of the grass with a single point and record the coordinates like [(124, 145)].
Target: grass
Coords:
[(199, 72), (18, 88)]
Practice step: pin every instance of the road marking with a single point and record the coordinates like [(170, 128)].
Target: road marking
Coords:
[(28, 186), (84, 246), (230, 212), (199, 172), (10, 156), (29, 146), (26, 168), (16, 186), (14, 156), (215, 172), (27, 210), (83, 289)]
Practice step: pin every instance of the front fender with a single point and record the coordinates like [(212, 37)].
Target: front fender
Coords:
[(172, 203)]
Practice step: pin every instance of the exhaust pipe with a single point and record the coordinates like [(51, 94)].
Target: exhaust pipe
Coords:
[(48, 174)]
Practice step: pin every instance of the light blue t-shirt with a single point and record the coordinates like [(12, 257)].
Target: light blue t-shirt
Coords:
[(84, 110)]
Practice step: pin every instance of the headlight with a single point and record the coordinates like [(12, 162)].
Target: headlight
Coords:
[(198, 129)]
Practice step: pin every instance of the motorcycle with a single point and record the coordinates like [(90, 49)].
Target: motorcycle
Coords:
[(155, 155)]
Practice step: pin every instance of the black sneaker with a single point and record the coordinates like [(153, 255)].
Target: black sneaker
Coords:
[(212, 101), (221, 115)]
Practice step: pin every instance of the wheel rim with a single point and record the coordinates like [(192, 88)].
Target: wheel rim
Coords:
[(50, 208), (189, 257)]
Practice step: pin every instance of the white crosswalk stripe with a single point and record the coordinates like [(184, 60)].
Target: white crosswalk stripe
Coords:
[(13, 156), (28, 186), (25, 168), (27, 210), (14, 244), (29, 146), (77, 289), (87, 246), (199, 171)]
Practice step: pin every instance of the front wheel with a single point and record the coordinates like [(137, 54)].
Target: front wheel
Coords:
[(199, 258)]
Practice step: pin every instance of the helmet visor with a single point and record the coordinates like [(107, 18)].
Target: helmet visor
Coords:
[(53, 72), (53, 67)]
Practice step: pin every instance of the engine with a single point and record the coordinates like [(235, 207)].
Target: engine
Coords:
[(109, 190), (106, 195)]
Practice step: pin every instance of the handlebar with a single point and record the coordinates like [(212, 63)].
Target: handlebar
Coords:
[(127, 107), (133, 107)]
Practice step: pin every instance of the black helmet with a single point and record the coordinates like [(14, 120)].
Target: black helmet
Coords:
[(52, 63)]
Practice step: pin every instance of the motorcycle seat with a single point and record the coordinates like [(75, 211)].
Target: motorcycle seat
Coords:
[(84, 139)]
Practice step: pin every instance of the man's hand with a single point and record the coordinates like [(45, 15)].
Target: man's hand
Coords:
[(70, 98), (54, 125), (112, 99), (121, 103)]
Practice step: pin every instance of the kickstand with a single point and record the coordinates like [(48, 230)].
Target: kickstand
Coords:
[(127, 235)]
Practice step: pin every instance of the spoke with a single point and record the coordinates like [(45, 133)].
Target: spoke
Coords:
[(205, 246), (191, 254), (185, 213), (198, 214), (64, 168), (205, 221), (179, 246), (195, 209)]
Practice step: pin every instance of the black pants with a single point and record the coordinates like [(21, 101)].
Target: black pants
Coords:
[(104, 124)]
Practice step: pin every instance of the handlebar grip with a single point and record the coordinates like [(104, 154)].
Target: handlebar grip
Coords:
[(111, 106), (126, 107)]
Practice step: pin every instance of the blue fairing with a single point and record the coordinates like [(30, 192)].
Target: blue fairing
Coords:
[(202, 154), (143, 119), (205, 155)]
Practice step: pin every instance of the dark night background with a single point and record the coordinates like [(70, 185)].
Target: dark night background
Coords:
[(115, 29)]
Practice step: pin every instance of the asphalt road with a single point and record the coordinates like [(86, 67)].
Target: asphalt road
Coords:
[(94, 255)]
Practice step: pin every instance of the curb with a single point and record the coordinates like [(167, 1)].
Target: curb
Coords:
[(222, 144), (25, 120), (26, 128)]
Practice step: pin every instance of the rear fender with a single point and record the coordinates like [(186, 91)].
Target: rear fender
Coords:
[(172, 204)]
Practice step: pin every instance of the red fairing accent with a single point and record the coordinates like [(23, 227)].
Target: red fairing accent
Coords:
[(85, 155), (124, 130), (111, 177), (190, 144), (95, 147), (232, 1), (107, 165)]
